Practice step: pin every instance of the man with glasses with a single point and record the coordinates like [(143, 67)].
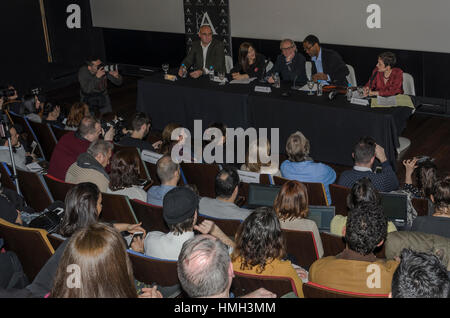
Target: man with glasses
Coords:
[(290, 64), (328, 66), (203, 54)]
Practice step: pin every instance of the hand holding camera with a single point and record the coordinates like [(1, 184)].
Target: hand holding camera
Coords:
[(100, 72)]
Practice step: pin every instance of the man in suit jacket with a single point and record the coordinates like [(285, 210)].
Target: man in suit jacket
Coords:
[(204, 53), (328, 66)]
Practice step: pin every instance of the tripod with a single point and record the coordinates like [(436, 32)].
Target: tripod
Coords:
[(5, 133)]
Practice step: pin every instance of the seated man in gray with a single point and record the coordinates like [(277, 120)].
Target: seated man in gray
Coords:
[(169, 174), (223, 207)]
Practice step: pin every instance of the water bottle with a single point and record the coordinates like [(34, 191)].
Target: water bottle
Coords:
[(349, 92), (183, 71), (319, 89), (276, 79), (211, 73)]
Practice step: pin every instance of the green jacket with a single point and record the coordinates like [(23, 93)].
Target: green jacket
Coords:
[(215, 56), (420, 242)]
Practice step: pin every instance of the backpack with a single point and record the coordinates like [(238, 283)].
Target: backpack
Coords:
[(11, 271)]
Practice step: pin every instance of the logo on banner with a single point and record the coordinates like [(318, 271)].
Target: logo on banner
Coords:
[(223, 13), (188, 12), (187, 2), (211, 3), (223, 22), (189, 31), (199, 3), (222, 3), (74, 19), (205, 20), (188, 21), (374, 20), (224, 32)]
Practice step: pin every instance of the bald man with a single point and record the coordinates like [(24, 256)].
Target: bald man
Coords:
[(169, 175), (204, 53)]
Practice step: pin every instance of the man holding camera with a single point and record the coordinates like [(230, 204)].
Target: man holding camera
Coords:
[(93, 78)]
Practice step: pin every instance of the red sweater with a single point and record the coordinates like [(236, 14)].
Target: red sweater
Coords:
[(66, 152), (393, 86)]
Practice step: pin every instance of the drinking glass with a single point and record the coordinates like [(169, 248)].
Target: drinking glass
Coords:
[(165, 68), (310, 86), (221, 78), (360, 91)]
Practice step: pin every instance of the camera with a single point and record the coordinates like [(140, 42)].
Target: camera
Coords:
[(109, 68), (7, 92), (118, 124)]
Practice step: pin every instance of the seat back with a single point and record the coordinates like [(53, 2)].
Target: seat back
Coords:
[(58, 132), (308, 68), (117, 208), (5, 177), (339, 195), (54, 240), (150, 159), (332, 244), (46, 137), (301, 245), (421, 206), (408, 84), (228, 63), (312, 290), (316, 191), (203, 175), (143, 173), (30, 135), (31, 246), (351, 77), (34, 190), (58, 188), (151, 270), (151, 216), (229, 227), (246, 283)]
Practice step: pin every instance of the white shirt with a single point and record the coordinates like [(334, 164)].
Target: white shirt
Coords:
[(165, 245), (205, 51), (362, 169)]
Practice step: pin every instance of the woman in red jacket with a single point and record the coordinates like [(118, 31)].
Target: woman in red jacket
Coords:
[(386, 80)]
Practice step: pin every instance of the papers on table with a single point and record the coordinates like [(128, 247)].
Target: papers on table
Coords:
[(263, 89), (243, 81), (392, 101), (217, 79), (305, 88), (386, 101)]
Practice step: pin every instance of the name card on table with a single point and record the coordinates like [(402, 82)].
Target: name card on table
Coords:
[(263, 89), (359, 101)]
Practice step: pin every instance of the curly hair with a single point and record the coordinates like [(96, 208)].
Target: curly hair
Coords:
[(441, 194), (366, 228), (292, 201), (259, 240), (298, 147), (124, 169)]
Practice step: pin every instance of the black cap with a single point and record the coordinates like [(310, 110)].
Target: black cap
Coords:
[(179, 204)]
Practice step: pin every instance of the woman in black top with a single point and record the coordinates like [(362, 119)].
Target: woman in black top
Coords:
[(250, 63)]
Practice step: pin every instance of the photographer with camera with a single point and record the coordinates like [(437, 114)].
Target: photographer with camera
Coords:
[(19, 152), (93, 78)]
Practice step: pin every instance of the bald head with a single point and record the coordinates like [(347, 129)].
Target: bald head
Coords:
[(204, 267), (205, 34), (167, 170)]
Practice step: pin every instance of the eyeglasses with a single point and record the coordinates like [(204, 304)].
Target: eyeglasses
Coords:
[(206, 34), (286, 48)]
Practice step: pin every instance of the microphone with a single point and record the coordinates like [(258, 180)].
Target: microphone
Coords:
[(295, 79), (332, 94), (372, 78)]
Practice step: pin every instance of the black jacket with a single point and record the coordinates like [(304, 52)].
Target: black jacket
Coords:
[(334, 66), (254, 70), (294, 70), (215, 56)]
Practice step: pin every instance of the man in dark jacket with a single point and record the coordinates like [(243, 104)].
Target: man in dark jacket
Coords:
[(290, 64), (204, 53), (328, 66)]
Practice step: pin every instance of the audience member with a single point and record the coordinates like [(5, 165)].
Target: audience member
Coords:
[(290, 64), (364, 154), (223, 206), (328, 66), (301, 167), (72, 144), (19, 153), (167, 142), (169, 175), (425, 172), (260, 249), (205, 269), (76, 114), (124, 175), (51, 115), (386, 80), (420, 275), (357, 269), (439, 222), (250, 63), (141, 126), (83, 206), (254, 150), (90, 166), (291, 207), (219, 149)]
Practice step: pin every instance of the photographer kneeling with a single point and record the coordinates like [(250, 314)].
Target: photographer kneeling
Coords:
[(93, 78)]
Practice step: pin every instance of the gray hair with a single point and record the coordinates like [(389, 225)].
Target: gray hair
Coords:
[(100, 146), (87, 126), (166, 168), (203, 266)]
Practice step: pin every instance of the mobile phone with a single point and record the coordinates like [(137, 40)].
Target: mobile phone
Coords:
[(137, 234)]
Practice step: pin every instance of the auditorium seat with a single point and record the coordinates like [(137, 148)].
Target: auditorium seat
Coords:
[(244, 283), (46, 137), (228, 226), (301, 245), (316, 191), (58, 132), (408, 84), (421, 206), (5, 177), (30, 135), (117, 208), (58, 188), (150, 158), (332, 244), (203, 175), (34, 190), (312, 290), (339, 195), (150, 215)]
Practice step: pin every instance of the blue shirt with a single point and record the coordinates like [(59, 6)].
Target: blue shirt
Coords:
[(155, 195), (309, 171), (318, 61)]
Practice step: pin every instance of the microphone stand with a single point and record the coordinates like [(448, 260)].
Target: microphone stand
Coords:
[(4, 124), (293, 86)]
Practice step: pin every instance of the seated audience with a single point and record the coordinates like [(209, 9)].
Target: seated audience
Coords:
[(253, 154), (250, 64), (167, 142), (169, 175), (351, 270), (141, 127), (90, 166), (76, 114), (362, 192), (205, 269), (261, 249), (219, 149), (439, 222), (301, 167), (420, 275), (386, 80), (83, 206), (290, 64), (51, 115), (124, 175), (328, 66), (425, 176), (223, 206), (72, 144), (19, 153), (291, 207), (33, 106), (364, 154)]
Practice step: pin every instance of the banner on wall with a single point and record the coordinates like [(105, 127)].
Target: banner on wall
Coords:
[(215, 13)]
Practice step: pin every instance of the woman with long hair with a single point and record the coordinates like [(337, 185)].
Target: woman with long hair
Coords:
[(250, 63), (76, 114), (425, 173), (253, 160)]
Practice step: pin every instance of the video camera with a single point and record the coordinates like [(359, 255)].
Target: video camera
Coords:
[(118, 124)]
